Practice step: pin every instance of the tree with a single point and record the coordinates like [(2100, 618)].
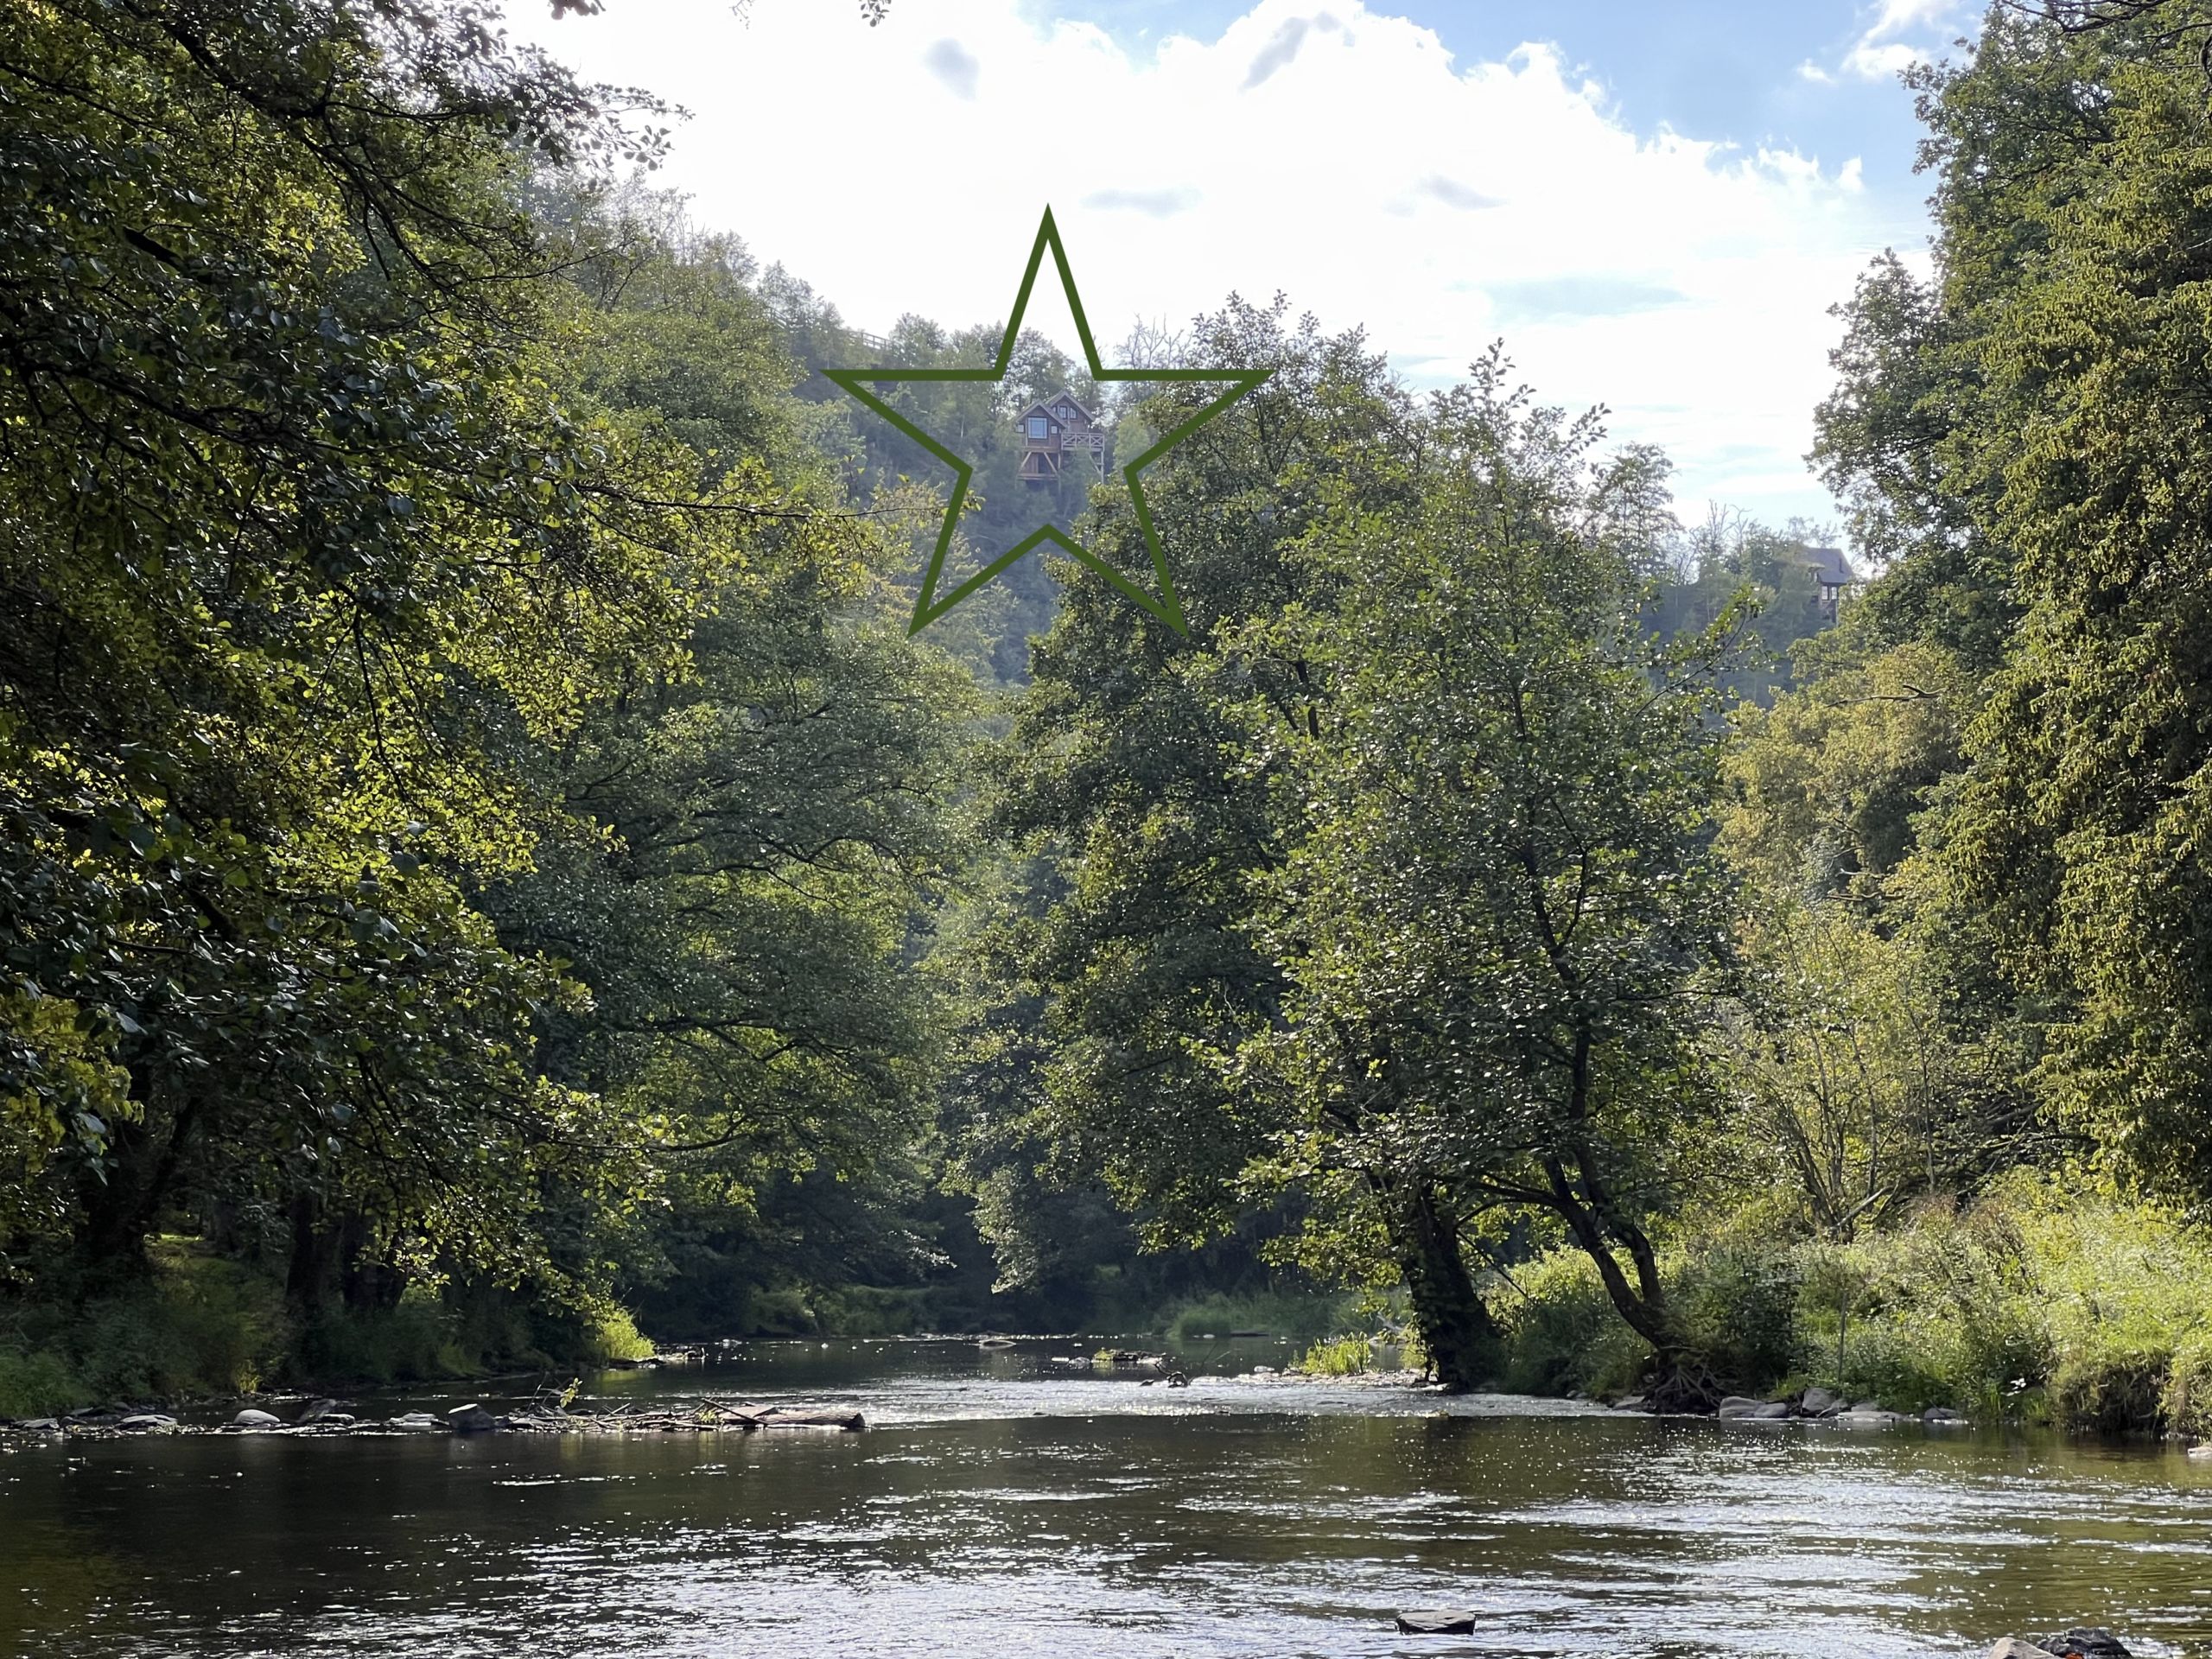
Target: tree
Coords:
[(2036, 418), (288, 593), (1125, 768), (446, 733), (1495, 925), (873, 10)]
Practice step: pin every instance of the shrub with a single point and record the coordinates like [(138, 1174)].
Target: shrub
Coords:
[(613, 1334), (1944, 1310), (414, 1342), (779, 1313), (1337, 1357), (868, 1310), (39, 1384), (1887, 1362), (2030, 1301), (1737, 1306), (1293, 1315), (1562, 1333), (2187, 1401), (2112, 1390)]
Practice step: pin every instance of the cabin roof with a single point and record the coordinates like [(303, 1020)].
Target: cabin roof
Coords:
[(1830, 565), (1045, 405)]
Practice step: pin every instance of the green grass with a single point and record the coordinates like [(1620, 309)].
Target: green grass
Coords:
[(870, 1311), (1562, 1334), (2032, 1302), (200, 1326), (39, 1384), (1292, 1315), (197, 1325), (1339, 1356), (611, 1333)]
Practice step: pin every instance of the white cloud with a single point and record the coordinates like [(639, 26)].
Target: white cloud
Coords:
[(1811, 71), (1898, 15), (1881, 55), (1872, 62), (1365, 174)]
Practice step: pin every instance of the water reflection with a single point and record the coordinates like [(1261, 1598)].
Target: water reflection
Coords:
[(1002, 1509)]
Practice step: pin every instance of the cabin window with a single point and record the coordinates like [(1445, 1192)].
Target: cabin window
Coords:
[(1065, 413), (1038, 428)]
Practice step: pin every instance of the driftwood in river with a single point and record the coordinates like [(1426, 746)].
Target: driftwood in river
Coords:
[(704, 1416)]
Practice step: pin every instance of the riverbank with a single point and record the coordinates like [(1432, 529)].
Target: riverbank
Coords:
[(324, 1418), (2031, 1304), (199, 1327)]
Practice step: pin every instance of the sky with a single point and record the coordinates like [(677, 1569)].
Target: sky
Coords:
[(1653, 206)]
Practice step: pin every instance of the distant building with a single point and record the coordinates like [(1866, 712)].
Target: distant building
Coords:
[(1055, 429), (1831, 572)]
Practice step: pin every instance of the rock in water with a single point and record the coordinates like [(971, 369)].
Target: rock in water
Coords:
[(318, 1409), (2013, 1648), (851, 1420), (1817, 1402), (1942, 1415), (251, 1419), (2084, 1642), (1430, 1622), (148, 1423), (415, 1421), (1738, 1408), (471, 1419)]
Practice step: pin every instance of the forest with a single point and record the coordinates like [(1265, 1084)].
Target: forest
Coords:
[(487, 881)]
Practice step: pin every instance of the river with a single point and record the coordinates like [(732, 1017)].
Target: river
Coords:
[(993, 1508)]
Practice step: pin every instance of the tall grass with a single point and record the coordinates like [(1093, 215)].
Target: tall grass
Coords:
[(1294, 1316), (2030, 1303), (199, 1325)]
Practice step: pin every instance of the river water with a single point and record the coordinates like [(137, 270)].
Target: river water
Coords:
[(993, 1508)]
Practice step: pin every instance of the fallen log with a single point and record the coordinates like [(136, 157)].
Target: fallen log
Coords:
[(774, 1417)]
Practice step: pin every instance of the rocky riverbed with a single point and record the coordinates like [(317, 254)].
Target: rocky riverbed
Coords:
[(997, 1502), (330, 1417)]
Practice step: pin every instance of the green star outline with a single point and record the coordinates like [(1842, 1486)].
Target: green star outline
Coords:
[(927, 606)]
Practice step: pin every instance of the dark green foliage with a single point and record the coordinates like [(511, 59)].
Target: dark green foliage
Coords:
[(478, 853), (2024, 438), (461, 784)]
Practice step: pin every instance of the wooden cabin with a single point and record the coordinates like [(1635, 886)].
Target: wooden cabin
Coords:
[(1052, 431), (1833, 575)]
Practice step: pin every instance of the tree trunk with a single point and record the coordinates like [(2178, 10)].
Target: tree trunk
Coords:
[(1679, 1380), (121, 1200), (1455, 1327), (306, 1278), (365, 1280)]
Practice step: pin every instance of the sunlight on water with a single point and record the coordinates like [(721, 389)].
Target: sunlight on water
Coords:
[(997, 1509)]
